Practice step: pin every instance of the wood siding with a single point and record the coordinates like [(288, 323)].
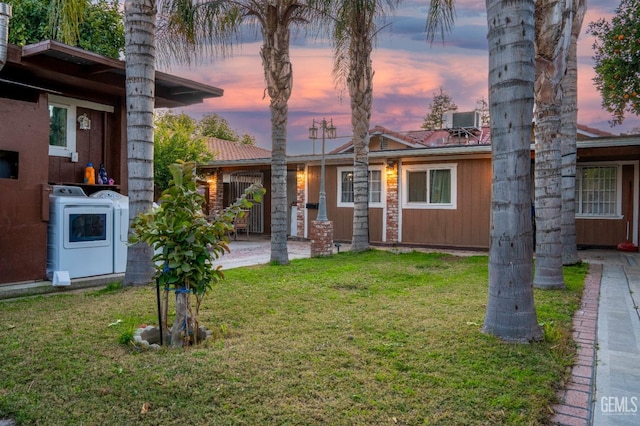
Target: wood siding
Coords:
[(468, 225), (610, 232), (342, 217), (24, 210)]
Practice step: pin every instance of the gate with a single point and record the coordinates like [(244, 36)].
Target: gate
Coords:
[(238, 182)]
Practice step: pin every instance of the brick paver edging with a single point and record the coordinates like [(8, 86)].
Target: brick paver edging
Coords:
[(574, 408)]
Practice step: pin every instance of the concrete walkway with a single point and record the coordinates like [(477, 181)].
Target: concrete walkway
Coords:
[(617, 376), (248, 252), (604, 388)]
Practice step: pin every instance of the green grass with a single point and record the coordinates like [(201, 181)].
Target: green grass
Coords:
[(369, 338)]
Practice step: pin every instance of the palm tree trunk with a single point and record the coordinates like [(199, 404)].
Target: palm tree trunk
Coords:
[(568, 147), (279, 79), (361, 92), (140, 16), (553, 38), (511, 313)]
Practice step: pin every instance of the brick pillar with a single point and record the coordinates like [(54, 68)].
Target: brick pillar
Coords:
[(300, 185), (392, 205), (321, 238), (216, 189)]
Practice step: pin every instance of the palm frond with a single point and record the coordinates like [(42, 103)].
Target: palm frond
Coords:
[(440, 18)]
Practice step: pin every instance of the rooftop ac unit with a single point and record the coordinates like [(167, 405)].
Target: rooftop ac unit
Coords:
[(466, 120)]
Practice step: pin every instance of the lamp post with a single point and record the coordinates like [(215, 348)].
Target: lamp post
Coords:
[(328, 132)]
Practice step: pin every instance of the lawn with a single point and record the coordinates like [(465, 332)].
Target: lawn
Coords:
[(370, 338)]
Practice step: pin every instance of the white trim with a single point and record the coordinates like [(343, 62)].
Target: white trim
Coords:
[(636, 194), (383, 187), (400, 197), (80, 103), (71, 106), (453, 167), (618, 214), (306, 200), (70, 147)]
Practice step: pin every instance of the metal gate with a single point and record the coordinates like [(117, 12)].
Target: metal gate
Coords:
[(238, 182)]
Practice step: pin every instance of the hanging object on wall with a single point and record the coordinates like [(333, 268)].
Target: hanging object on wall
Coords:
[(85, 122)]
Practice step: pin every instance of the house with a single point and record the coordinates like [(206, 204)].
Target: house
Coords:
[(433, 188), (62, 107)]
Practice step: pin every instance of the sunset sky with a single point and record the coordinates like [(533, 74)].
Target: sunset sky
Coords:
[(408, 71)]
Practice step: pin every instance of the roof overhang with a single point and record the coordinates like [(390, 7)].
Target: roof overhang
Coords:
[(415, 154), (56, 67)]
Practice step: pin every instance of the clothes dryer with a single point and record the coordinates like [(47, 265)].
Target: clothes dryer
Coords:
[(120, 226), (80, 233)]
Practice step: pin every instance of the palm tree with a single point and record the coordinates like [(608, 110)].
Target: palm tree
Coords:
[(354, 33), (553, 38), (140, 29), (193, 27), (511, 311), (568, 147)]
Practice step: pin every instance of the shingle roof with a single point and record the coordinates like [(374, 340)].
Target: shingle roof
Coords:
[(593, 131), (430, 138), (229, 150)]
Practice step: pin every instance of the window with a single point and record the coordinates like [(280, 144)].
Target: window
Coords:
[(598, 191), (430, 186), (63, 124), (62, 129), (345, 187)]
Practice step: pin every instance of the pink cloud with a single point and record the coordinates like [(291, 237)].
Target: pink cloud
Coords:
[(406, 76)]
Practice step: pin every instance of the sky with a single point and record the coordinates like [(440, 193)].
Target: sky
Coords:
[(408, 72)]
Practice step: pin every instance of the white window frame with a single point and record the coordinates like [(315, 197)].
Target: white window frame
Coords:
[(71, 106), (452, 167), (618, 213), (383, 195)]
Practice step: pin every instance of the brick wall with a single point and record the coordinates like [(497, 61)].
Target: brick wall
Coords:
[(216, 189), (300, 186), (321, 238), (392, 205)]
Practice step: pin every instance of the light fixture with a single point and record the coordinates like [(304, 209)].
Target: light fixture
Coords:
[(313, 131), (329, 131), (85, 122)]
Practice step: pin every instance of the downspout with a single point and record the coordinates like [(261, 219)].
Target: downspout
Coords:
[(5, 15)]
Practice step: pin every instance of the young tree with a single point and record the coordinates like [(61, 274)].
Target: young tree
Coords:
[(617, 60), (175, 138), (553, 38), (186, 243), (97, 26), (511, 313), (440, 104), (140, 52)]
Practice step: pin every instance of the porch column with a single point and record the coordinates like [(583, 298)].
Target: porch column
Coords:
[(300, 202), (216, 189), (391, 231)]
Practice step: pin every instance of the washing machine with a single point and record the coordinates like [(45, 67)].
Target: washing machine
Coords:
[(120, 226), (80, 234)]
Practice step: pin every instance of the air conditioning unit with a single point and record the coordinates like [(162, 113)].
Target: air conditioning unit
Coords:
[(466, 120)]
